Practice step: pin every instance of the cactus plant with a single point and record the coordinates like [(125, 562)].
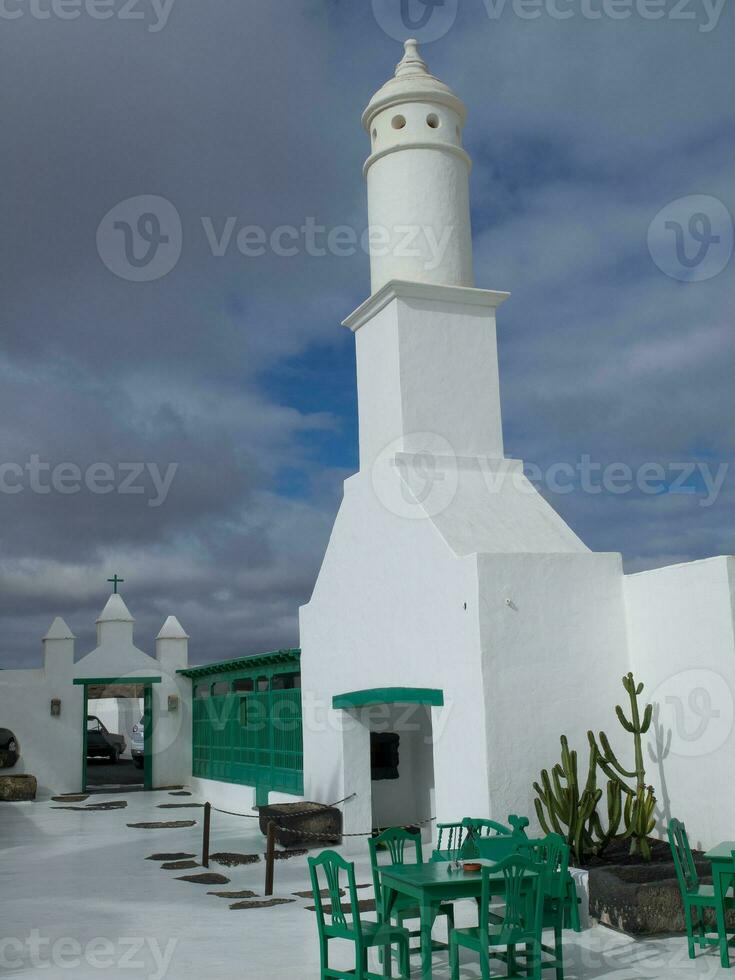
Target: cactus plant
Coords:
[(640, 803), (563, 809)]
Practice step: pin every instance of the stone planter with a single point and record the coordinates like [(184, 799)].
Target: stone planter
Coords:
[(641, 899), (302, 824), (15, 789), (581, 879)]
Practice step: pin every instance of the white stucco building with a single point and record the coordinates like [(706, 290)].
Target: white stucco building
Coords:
[(46, 707), (458, 627), (454, 607)]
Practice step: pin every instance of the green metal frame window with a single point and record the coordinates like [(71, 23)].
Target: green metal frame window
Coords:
[(247, 722)]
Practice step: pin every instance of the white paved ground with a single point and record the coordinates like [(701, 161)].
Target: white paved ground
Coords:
[(79, 900)]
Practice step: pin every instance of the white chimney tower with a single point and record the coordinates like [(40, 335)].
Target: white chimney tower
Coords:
[(418, 180), (427, 364)]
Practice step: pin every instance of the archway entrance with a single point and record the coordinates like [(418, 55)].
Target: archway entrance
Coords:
[(388, 755), (117, 733)]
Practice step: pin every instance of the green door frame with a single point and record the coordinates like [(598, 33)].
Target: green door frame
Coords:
[(147, 683)]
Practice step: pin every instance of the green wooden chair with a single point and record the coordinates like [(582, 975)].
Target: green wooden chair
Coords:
[(334, 923), (519, 925), (394, 841), (552, 853), (696, 896), (461, 841)]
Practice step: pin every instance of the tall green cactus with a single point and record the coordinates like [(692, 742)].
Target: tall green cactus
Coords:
[(640, 803), (562, 809)]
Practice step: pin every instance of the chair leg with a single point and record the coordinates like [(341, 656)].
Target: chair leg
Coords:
[(453, 958), (324, 954), (404, 957), (559, 952), (360, 962), (688, 918), (485, 965), (511, 960)]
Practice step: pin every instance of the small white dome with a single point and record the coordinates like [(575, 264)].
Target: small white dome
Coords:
[(412, 82)]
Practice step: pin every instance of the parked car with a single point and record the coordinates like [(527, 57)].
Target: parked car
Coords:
[(102, 743), (137, 744), (8, 749)]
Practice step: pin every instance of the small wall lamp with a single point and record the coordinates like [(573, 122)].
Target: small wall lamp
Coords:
[(55, 707), (173, 702)]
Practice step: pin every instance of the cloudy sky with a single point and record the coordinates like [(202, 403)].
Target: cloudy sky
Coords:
[(229, 382)]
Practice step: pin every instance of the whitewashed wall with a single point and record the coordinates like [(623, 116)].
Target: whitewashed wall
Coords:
[(554, 650), (50, 747), (682, 643), (388, 610)]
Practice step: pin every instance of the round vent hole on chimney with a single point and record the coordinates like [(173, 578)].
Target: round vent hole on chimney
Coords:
[(432, 121), (398, 122)]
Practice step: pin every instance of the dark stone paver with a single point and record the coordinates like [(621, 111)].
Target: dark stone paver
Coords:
[(162, 825), (324, 893), (232, 860), (175, 856), (208, 878), (266, 903), (179, 806), (245, 893), (368, 905), (99, 807), (179, 865), (292, 853)]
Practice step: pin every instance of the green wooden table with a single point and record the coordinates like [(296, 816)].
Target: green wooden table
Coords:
[(723, 876), (430, 885)]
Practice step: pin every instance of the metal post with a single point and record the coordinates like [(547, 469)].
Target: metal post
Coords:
[(205, 834), (270, 858)]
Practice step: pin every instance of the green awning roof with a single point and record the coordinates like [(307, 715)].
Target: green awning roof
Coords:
[(273, 659), (389, 695)]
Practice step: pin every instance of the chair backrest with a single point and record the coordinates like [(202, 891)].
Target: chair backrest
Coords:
[(686, 870), (394, 840), (477, 837), (450, 841), (338, 874), (480, 827), (552, 853), (524, 901)]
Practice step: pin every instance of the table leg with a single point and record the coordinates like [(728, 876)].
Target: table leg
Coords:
[(428, 915), (720, 911)]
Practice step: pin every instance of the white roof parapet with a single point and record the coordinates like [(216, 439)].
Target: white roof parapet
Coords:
[(172, 630), (59, 630), (115, 611)]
